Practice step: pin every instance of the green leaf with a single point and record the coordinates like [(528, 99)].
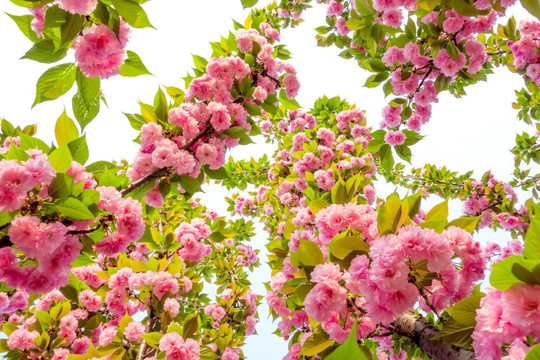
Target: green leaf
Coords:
[(45, 52), (317, 205), (248, 3), (65, 129), (523, 274), (60, 310), (532, 6), (61, 186), (200, 62), (534, 353), (438, 212), (132, 13), (30, 3), (252, 109), (387, 160), (532, 239), (60, 159), (109, 179), (341, 247), (70, 292), (133, 66), (55, 82), (502, 277), (191, 325), (465, 310), (403, 152), (152, 339), (308, 254), (463, 7), (86, 101), (23, 23), (339, 193), (452, 50), (289, 104), (135, 120), (73, 209), (8, 129), (29, 142), (218, 174), (191, 185), (388, 212), (349, 350), (79, 149), (160, 105), (315, 344), (467, 223), (15, 153), (456, 334)]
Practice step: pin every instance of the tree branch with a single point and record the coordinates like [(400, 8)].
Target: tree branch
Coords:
[(141, 354), (420, 332)]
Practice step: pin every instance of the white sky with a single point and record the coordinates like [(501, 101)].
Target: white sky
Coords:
[(475, 132)]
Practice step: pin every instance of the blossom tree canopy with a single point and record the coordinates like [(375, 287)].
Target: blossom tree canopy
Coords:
[(121, 260)]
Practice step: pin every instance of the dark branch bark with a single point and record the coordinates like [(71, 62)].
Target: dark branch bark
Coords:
[(420, 331), (5, 242)]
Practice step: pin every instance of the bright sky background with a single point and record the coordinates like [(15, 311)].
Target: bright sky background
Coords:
[(475, 132)]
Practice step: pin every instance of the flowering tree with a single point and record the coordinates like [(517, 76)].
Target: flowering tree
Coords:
[(110, 260)]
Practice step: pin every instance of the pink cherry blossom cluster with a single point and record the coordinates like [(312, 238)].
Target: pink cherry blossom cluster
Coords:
[(191, 236), (335, 219), (175, 347), (84, 7), (197, 136), (506, 317), (524, 50), (16, 179), (128, 221), (49, 244), (424, 66), (384, 278), (478, 204), (98, 51), (10, 303)]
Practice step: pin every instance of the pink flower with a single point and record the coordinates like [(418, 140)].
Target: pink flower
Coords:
[(326, 272), (221, 120), (448, 65), (39, 19), (107, 336), (176, 348), (83, 7), (90, 300), (22, 339), (229, 354), (392, 18), (134, 330), (334, 8), (341, 26), (292, 85), (324, 298), (172, 306), (394, 138), (99, 52)]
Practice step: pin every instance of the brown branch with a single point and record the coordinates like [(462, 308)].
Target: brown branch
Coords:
[(412, 280), (141, 354), (5, 242), (420, 332)]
